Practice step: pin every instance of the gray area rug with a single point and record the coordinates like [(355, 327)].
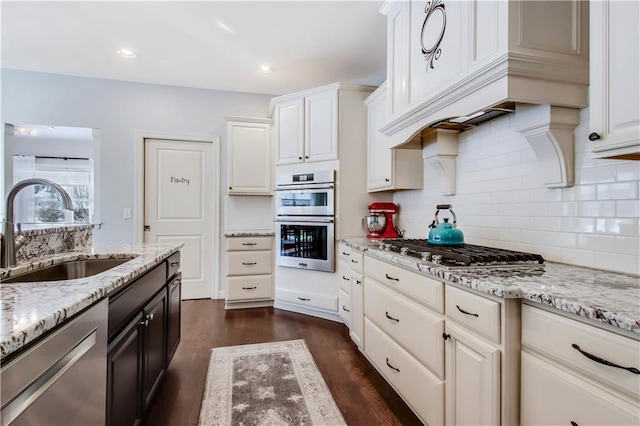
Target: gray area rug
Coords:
[(274, 383)]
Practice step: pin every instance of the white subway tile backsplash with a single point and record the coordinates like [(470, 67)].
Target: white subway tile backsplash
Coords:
[(562, 239), (628, 171), (578, 224), (618, 191), (597, 208), (628, 208), (627, 245), (617, 226), (596, 242), (501, 200), (617, 262), (577, 257), (567, 208)]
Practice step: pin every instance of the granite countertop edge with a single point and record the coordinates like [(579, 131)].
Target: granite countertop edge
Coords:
[(29, 310), (565, 293)]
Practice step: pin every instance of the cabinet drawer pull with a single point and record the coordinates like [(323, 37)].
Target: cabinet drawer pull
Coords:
[(604, 361), (467, 313), (249, 263), (344, 308), (358, 282), (174, 264), (345, 278), (446, 336), (354, 261), (574, 423), (249, 288), (391, 278), (392, 367), (303, 299), (145, 323), (344, 253), (390, 317), (249, 244)]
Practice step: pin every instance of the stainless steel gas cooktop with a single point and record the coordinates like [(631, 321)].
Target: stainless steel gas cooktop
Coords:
[(465, 255)]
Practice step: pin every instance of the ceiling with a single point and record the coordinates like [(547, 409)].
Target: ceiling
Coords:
[(206, 44)]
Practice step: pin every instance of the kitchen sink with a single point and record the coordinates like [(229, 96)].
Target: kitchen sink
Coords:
[(67, 270)]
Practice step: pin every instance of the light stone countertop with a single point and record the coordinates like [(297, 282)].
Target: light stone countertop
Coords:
[(28, 310), (607, 297)]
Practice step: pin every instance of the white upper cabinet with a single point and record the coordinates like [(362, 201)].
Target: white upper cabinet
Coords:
[(307, 128), (388, 169), (249, 147), (289, 131), (450, 58), (615, 79)]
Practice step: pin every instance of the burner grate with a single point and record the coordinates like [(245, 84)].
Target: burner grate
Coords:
[(467, 254)]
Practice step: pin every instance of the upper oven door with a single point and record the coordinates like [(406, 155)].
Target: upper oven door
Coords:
[(305, 200)]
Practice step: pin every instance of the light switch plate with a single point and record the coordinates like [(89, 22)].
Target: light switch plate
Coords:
[(126, 213)]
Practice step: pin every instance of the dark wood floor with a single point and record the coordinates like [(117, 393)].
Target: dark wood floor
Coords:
[(364, 398)]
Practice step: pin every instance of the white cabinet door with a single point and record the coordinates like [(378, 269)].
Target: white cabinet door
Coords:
[(380, 157), (289, 124), (472, 371), (249, 146), (551, 396), (321, 126), (614, 76), (356, 330)]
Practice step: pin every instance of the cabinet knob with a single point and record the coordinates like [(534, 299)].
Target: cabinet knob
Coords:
[(446, 336), (387, 180), (299, 158), (594, 137), (230, 188), (306, 156)]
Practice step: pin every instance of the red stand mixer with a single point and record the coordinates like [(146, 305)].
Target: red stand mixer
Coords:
[(380, 222)]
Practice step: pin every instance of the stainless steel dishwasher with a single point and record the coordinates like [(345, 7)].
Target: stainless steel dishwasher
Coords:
[(61, 379)]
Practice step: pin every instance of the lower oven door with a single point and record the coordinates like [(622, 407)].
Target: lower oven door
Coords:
[(305, 242)]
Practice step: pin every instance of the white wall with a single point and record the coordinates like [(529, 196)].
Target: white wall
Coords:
[(501, 202), (123, 110)]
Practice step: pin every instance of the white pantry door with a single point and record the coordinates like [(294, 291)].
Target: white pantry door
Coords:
[(178, 207)]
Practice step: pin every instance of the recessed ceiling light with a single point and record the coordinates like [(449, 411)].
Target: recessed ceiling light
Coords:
[(127, 53), (265, 69)]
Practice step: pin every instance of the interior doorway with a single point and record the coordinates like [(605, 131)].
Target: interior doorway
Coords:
[(181, 181)]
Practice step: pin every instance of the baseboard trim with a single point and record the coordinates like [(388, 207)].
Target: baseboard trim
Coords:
[(243, 305), (319, 313)]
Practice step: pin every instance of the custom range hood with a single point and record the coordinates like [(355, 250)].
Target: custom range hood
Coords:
[(456, 65)]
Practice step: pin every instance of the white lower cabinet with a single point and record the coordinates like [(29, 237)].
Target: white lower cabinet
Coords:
[(351, 292), (356, 328), (575, 373), (249, 272), (344, 306), (421, 389), (551, 396), (473, 379)]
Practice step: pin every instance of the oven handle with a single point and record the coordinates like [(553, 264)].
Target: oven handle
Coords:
[(302, 220), (297, 187)]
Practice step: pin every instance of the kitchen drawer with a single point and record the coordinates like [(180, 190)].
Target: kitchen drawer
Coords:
[(423, 391), (554, 335), (173, 265), (345, 280), (356, 262), (312, 300), (410, 325), (475, 312), (344, 253), (250, 262), (250, 287), (344, 306), (551, 396), (424, 290), (249, 243)]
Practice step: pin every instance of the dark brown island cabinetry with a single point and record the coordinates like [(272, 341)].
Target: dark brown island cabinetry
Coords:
[(144, 332)]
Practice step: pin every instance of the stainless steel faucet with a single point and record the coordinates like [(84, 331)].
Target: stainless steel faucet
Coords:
[(9, 245)]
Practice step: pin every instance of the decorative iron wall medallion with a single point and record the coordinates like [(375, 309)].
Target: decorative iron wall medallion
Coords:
[(433, 27)]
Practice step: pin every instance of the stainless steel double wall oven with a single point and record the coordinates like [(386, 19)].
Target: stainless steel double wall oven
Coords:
[(305, 220)]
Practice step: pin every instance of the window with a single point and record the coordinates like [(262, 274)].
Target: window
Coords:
[(41, 204)]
